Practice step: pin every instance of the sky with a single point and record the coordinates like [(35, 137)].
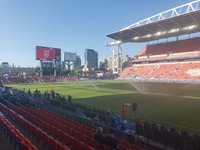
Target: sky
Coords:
[(72, 25)]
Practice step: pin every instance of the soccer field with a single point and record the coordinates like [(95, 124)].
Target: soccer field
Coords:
[(174, 104)]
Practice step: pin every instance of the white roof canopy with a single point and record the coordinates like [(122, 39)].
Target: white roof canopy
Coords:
[(184, 19)]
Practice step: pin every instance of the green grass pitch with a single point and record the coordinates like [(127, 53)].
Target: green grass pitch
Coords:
[(174, 104)]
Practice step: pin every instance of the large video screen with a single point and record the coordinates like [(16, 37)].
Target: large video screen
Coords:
[(48, 53)]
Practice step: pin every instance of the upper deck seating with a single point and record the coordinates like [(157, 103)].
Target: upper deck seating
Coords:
[(188, 45)]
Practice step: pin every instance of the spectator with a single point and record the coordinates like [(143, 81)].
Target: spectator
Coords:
[(46, 92), (63, 99), (96, 118), (69, 98), (123, 110), (98, 135), (53, 94), (134, 107), (29, 92)]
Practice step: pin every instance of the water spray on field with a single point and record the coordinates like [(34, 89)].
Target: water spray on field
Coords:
[(87, 81), (93, 85), (188, 86), (73, 82), (138, 87)]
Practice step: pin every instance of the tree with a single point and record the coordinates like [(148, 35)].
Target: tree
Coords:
[(76, 72), (64, 72), (37, 70)]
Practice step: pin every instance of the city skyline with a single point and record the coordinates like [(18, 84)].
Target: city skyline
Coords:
[(70, 25)]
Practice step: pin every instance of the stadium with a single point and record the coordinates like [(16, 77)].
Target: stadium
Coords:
[(153, 104)]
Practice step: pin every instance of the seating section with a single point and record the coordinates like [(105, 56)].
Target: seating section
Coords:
[(57, 132), (176, 50), (181, 46), (164, 71), (3, 79), (16, 136), (173, 70), (28, 79), (172, 60), (168, 57), (137, 71), (188, 70), (168, 136)]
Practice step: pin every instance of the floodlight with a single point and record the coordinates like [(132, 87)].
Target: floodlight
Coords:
[(135, 38), (114, 43), (118, 42), (174, 30), (158, 33), (191, 27), (148, 35)]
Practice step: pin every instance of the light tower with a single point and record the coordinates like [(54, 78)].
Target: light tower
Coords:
[(116, 56)]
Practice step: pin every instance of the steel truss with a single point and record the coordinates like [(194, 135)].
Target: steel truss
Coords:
[(177, 11)]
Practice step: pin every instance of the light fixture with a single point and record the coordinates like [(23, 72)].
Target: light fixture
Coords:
[(135, 38)]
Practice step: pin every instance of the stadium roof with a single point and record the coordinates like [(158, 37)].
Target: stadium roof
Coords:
[(184, 19)]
